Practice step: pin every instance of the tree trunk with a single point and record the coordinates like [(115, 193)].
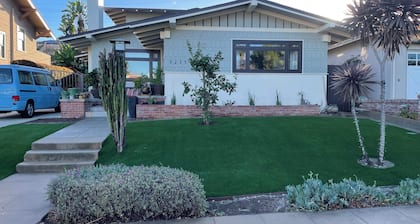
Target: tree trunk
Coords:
[(381, 150), (365, 156)]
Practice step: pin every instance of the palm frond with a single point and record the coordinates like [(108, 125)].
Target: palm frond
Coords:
[(353, 80)]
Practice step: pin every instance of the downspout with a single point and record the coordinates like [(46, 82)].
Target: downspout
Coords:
[(393, 79), (12, 39)]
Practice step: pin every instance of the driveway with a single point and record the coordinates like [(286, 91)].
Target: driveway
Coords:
[(15, 118)]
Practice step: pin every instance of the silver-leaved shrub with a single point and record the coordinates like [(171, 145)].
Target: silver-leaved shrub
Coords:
[(122, 193), (409, 191), (314, 195)]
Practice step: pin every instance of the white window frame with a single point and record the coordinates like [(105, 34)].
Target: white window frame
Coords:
[(3, 45), (21, 47)]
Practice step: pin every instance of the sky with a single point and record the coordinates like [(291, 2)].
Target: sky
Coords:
[(51, 9)]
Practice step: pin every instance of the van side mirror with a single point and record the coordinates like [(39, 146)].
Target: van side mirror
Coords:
[(58, 82)]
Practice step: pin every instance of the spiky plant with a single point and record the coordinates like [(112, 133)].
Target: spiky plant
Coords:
[(112, 71), (385, 25), (352, 80)]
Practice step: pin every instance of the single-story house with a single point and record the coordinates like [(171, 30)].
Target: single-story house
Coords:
[(270, 48), (402, 73)]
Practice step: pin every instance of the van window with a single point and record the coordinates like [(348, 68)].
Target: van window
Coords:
[(5, 76), (51, 80), (40, 79), (25, 78)]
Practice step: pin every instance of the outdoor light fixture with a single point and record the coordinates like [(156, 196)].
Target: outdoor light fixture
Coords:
[(119, 45)]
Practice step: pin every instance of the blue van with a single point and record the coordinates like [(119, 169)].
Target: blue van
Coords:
[(25, 89)]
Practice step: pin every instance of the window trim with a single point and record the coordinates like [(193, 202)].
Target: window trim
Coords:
[(416, 60), (248, 49), (19, 28), (2, 33)]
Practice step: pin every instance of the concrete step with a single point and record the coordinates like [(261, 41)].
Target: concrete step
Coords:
[(67, 146), (95, 114), (50, 166), (97, 109), (60, 155)]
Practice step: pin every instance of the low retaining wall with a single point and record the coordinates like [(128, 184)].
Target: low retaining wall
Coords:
[(392, 106), (76, 108), (151, 112)]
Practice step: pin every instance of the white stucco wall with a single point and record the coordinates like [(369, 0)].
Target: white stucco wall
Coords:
[(262, 86)]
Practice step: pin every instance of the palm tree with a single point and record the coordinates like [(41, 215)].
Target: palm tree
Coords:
[(386, 25), (352, 80), (75, 13)]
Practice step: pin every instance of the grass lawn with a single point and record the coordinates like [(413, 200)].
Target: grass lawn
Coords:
[(256, 155), (17, 139)]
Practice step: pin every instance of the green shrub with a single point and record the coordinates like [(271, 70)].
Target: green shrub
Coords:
[(407, 112), (122, 193), (314, 195), (409, 191)]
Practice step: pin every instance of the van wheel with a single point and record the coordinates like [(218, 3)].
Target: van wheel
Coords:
[(29, 110), (57, 109)]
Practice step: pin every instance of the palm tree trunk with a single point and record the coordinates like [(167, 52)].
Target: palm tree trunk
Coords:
[(381, 150), (359, 134)]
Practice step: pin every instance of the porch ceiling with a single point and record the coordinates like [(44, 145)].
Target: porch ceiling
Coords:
[(149, 36)]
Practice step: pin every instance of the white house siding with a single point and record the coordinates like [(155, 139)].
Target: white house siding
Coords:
[(312, 80), (395, 71)]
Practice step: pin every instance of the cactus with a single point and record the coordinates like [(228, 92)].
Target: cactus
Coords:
[(112, 72)]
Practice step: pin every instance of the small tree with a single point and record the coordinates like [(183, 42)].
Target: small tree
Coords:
[(352, 80), (386, 25), (112, 71), (205, 95)]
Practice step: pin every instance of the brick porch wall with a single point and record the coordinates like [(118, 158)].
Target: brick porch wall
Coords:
[(150, 112), (391, 106), (73, 108)]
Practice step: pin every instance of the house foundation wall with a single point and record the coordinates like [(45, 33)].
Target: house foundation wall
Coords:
[(153, 112)]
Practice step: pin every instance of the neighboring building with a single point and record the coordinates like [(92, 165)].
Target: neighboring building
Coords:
[(48, 46), (402, 74), (268, 47), (20, 26)]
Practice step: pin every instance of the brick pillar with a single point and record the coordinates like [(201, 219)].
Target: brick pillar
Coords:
[(73, 108)]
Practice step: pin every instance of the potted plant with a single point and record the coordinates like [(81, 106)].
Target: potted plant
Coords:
[(142, 83), (157, 83)]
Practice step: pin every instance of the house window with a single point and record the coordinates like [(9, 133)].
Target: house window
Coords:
[(2, 44), (413, 59), (21, 39), (141, 62), (267, 56)]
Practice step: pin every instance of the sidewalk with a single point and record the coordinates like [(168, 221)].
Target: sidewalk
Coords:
[(23, 198), (386, 215), (13, 118)]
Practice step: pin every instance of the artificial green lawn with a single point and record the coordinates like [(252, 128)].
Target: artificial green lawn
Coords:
[(17, 139), (257, 155)]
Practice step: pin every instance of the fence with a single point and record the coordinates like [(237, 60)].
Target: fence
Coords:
[(69, 79)]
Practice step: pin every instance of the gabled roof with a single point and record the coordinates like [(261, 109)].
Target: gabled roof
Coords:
[(31, 14), (150, 28)]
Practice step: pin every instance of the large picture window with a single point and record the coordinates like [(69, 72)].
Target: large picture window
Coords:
[(141, 62), (267, 56)]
